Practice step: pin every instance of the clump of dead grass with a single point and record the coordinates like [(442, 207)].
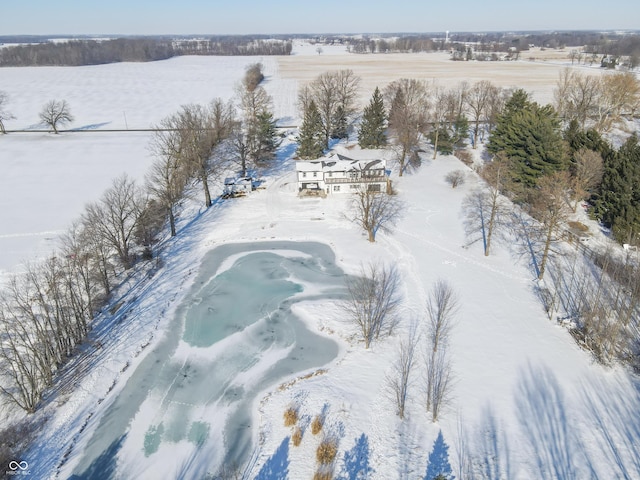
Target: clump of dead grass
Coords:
[(296, 438), (290, 416), (327, 451), (323, 475), (316, 425)]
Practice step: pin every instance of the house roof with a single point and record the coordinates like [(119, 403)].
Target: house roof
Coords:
[(338, 163)]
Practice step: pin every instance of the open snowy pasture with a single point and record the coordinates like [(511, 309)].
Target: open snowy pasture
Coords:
[(46, 179), (537, 77)]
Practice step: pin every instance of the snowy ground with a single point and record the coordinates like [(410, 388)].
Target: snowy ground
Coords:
[(46, 179), (527, 402)]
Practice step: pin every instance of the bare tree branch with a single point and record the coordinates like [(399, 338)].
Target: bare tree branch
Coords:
[(373, 301)]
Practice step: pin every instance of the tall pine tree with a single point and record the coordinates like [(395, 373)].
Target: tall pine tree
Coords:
[(530, 136), (311, 138), (618, 204), (266, 135), (372, 128)]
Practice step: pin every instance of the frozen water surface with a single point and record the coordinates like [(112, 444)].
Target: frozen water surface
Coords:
[(190, 400)]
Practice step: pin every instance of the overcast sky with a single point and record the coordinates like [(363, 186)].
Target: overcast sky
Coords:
[(144, 17)]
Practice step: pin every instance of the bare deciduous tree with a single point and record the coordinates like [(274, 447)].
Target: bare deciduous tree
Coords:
[(618, 95), (399, 380), (455, 178), (586, 174), (409, 103), (478, 101), (201, 131), (485, 209), (373, 301), (56, 113), (4, 113), (255, 103), (253, 76), (375, 211), (167, 177), (115, 216), (442, 306), (550, 207), (331, 92)]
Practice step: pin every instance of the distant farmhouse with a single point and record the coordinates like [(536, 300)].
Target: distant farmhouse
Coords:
[(338, 174)]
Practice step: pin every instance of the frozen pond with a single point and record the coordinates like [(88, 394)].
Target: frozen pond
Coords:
[(187, 408)]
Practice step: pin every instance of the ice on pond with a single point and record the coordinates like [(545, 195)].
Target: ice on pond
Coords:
[(234, 335)]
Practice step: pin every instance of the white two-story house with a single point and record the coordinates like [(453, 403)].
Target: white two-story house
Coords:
[(336, 173)]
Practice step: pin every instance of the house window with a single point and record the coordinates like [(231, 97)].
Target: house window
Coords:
[(354, 187), (373, 187), (304, 174), (336, 188), (329, 174), (315, 174)]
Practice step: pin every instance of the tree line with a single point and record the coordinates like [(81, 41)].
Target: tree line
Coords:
[(535, 141), (47, 311), (96, 52)]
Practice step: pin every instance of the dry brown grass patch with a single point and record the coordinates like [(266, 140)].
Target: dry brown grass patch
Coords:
[(316, 425), (326, 452), (296, 438), (290, 417), (323, 476), (578, 226)]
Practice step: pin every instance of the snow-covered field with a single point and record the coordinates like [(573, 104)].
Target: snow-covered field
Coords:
[(527, 402), (46, 179)]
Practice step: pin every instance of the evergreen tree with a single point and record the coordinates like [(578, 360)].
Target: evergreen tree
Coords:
[(530, 136), (311, 138), (267, 138), (577, 139), (339, 124), (618, 204), (372, 128), (452, 136)]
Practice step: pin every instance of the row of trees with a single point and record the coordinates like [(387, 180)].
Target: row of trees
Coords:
[(407, 111), (373, 305), (47, 311), (93, 52), (600, 102), (410, 110)]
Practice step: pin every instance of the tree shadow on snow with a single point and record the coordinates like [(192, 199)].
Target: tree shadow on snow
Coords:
[(613, 409), (356, 461), (104, 466), (493, 459), (277, 467), (438, 464), (555, 446)]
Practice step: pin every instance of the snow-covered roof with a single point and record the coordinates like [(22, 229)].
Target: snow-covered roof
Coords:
[(338, 163)]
